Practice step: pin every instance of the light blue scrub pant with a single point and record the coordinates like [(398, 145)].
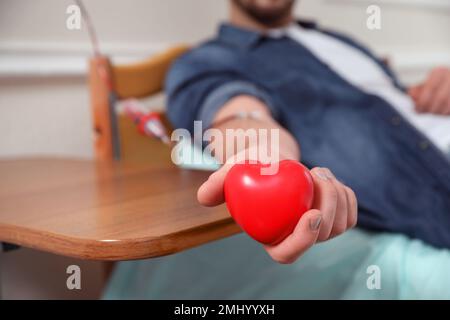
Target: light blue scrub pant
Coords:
[(239, 268)]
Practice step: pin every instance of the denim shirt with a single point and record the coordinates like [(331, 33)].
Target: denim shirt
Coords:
[(401, 179)]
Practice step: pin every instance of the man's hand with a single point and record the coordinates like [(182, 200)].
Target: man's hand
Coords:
[(433, 96), (334, 211)]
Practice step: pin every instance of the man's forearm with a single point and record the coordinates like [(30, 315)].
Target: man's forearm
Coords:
[(286, 146)]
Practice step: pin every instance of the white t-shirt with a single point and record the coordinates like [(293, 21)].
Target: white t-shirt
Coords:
[(365, 74)]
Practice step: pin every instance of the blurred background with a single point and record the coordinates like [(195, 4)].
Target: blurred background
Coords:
[(44, 101)]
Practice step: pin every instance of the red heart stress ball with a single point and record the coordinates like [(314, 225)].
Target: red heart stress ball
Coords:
[(268, 207)]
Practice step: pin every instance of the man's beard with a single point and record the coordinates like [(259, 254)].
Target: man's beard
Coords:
[(268, 18)]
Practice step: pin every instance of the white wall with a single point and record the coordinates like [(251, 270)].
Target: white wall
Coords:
[(43, 99), (39, 117)]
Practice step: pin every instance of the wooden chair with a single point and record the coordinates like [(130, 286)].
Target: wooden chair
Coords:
[(116, 136)]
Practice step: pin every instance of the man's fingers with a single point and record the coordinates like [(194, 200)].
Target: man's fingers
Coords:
[(414, 92), (334, 211), (210, 192), (352, 202), (301, 239), (340, 217), (441, 99), (428, 90), (325, 200)]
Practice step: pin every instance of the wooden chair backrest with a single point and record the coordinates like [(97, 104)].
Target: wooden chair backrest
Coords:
[(115, 135)]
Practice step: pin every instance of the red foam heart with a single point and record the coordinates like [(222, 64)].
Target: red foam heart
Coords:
[(268, 207)]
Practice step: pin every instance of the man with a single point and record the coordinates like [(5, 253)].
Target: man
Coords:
[(341, 105)]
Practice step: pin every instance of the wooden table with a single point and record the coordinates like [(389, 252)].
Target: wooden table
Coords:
[(105, 211)]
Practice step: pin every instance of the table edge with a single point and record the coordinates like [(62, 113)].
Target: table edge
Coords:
[(118, 250)]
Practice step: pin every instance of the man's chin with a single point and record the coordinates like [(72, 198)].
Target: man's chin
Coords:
[(268, 13)]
